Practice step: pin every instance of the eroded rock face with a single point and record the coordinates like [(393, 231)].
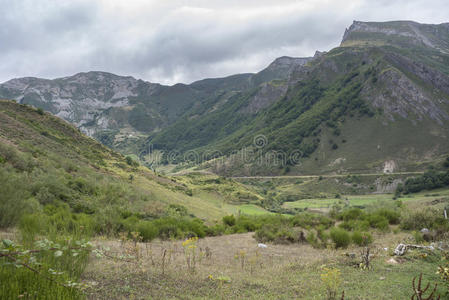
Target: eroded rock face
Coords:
[(399, 33), (401, 28), (265, 96), (79, 99), (404, 98), (389, 166)]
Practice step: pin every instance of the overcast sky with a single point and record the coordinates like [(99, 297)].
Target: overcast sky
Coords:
[(171, 41)]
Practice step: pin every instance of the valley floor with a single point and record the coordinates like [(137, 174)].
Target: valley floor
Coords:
[(235, 267)]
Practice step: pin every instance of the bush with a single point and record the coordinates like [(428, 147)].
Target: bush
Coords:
[(351, 214), (361, 239), (267, 233), (14, 197), (147, 231), (428, 181), (307, 220), (340, 237), (417, 220), (418, 236), (229, 220), (378, 221), (278, 235), (130, 161), (19, 160), (352, 225), (312, 239), (446, 162), (392, 216)]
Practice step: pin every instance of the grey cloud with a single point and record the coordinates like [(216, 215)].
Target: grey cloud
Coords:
[(171, 41)]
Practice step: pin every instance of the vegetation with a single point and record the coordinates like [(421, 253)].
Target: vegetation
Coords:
[(428, 181)]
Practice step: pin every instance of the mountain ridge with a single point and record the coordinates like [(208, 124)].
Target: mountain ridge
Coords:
[(383, 74)]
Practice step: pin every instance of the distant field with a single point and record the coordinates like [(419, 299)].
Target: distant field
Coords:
[(251, 209), (363, 200)]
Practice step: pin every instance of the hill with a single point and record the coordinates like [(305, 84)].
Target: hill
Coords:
[(47, 166)]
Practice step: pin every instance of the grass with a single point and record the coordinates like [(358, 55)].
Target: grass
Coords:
[(364, 200), (251, 209), (277, 272)]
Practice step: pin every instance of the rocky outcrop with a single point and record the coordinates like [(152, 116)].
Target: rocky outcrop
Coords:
[(399, 33), (267, 94), (79, 99)]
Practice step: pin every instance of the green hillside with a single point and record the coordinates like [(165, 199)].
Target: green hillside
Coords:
[(48, 166), (357, 108)]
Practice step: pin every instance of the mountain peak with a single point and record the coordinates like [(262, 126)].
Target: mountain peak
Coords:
[(398, 33), (287, 61)]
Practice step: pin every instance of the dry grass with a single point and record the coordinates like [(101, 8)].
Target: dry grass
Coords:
[(277, 272)]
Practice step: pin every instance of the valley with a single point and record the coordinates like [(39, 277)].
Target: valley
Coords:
[(295, 182)]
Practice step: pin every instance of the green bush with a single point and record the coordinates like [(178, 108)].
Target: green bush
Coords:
[(19, 160), (352, 225), (14, 199), (378, 221), (361, 238), (130, 161), (418, 236), (419, 219), (40, 111), (266, 234), (393, 217), (428, 181), (351, 214), (229, 220), (312, 239), (278, 235), (18, 281), (307, 220), (147, 231), (340, 237)]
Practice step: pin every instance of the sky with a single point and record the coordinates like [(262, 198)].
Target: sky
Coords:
[(171, 41)]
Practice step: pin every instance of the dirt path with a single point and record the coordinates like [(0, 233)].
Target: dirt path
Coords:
[(325, 176)]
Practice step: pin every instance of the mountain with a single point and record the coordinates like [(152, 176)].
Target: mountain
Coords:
[(119, 111), (378, 102)]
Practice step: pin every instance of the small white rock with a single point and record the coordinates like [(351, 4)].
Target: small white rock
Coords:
[(260, 245)]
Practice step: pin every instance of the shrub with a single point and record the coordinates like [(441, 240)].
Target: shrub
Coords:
[(130, 161), (307, 220), (417, 220), (378, 221), (229, 220), (147, 231), (19, 160), (361, 239), (278, 235), (351, 214), (13, 201), (429, 180), (392, 216), (418, 236), (265, 234), (446, 162), (352, 225), (312, 240), (340, 237)]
